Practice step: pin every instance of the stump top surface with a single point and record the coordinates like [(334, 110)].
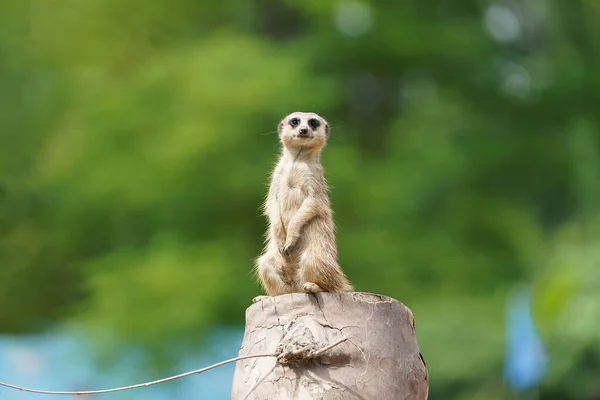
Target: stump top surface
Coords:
[(360, 297), (348, 308)]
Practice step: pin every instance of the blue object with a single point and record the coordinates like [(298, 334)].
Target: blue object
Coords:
[(526, 360), (61, 361)]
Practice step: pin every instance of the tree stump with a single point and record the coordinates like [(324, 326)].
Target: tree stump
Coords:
[(379, 358)]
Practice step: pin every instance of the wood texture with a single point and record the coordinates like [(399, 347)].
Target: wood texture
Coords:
[(379, 360)]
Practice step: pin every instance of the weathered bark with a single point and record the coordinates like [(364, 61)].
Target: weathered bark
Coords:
[(380, 358)]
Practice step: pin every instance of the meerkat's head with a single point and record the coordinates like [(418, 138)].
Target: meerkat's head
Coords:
[(303, 129)]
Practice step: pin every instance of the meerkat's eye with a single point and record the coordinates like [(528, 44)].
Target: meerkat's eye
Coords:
[(314, 123), (294, 122)]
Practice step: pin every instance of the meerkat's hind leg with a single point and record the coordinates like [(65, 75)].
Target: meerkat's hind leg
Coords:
[(311, 287), (269, 276), (320, 273)]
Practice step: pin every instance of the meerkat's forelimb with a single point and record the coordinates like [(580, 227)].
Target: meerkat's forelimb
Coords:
[(304, 214)]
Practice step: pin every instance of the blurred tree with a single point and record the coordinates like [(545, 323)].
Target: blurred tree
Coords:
[(137, 138)]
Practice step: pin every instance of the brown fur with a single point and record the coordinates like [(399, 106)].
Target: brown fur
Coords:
[(300, 253)]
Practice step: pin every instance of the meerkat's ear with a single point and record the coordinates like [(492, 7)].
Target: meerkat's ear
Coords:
[(280, 126), (326, 129)]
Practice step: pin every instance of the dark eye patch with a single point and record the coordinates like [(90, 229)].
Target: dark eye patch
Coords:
[(294, 122), (314, 123)]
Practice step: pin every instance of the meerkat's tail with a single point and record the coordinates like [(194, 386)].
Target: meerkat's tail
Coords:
[(348, 287)]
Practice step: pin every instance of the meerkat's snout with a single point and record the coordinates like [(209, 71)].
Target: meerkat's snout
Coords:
[(303, 131)]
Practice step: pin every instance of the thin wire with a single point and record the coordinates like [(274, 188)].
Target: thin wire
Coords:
[(331, 346), (171, 378), (323, 350), (198, 371)]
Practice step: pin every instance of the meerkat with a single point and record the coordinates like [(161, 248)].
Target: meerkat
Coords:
[(300, 253)]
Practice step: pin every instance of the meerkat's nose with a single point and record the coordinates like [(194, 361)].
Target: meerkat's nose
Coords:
[(303, 131)]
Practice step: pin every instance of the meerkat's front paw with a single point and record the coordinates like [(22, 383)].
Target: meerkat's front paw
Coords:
[(310, 287), (258, 298), (285, 249)]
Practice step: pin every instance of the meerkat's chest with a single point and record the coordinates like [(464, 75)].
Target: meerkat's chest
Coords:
[(292, 184)]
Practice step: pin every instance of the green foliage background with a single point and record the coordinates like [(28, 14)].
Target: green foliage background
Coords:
[(136, 138)]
